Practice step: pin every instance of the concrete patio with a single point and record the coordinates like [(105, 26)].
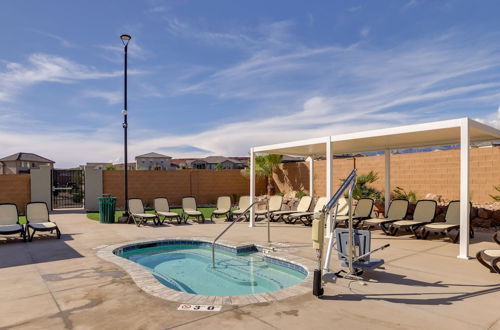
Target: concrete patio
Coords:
[(58, 284)]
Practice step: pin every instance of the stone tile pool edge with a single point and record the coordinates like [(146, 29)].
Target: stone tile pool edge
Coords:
[(145, 280)]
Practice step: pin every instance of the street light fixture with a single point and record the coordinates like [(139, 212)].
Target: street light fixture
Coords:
[(125, 40)]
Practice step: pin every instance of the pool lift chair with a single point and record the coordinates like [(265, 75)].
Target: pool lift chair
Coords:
[(352, 245)]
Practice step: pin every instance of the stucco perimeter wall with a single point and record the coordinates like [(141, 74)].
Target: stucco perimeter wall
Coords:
[(41, 185), (427, 172), (205, 185), (93, 188), (15, 188)]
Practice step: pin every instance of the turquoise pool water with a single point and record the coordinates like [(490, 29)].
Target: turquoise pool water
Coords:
[(188, 268)]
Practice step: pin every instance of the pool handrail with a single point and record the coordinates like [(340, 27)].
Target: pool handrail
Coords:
[(348, 183), (227, 228)]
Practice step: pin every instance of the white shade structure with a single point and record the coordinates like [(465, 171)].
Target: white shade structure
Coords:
[(462, 131)]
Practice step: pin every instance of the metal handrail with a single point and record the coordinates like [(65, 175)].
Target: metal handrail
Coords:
[(350, 181), (333, 201), (227, 228)]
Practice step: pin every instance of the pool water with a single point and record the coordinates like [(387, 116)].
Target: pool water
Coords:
[(188, 268)]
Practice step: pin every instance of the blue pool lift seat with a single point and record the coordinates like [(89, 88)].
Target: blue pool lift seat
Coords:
[(361, 242)]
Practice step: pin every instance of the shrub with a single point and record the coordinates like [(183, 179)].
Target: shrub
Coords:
[(299, 194), (496, 197), (400, 193), (361, 189)]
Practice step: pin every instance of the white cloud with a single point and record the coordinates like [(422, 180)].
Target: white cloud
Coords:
[(365, 31), (62, 41), (295, 91), (44, 68), (109, 97), (492, 119)]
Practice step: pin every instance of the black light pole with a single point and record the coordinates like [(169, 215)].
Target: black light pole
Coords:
[(125, 39)]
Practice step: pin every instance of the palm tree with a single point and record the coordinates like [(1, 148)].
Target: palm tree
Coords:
[(265, 167)]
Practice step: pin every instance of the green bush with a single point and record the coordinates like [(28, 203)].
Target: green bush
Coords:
[(299, 194), (400, 193), (496, 197), (361, 190)]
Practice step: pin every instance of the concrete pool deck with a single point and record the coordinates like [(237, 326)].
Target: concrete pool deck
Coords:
[(58, 284)]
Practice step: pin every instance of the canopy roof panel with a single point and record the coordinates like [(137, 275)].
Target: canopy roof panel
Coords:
[(402, 137)]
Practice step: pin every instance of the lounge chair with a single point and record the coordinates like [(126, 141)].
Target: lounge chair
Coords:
[(273, 205), (137, 213), (243, 204), (223, 208), (425, 212), (307, 217), (9, 221), (397, 211), (362, 211), (162, 209), (190, 210), (490, 258), (452, 222), (37, 218), (303, 206)]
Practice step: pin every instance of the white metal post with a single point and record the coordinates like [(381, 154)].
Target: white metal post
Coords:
[(387, 187), (329, 178), (252, 188), (311, 176), (464, 189)]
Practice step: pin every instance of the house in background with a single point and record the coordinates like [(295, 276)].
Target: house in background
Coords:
[(97, 166), (154, 162), (23, 162), (211, 163), (121, 166)]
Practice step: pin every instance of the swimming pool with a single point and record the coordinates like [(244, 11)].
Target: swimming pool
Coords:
[(186, 266)]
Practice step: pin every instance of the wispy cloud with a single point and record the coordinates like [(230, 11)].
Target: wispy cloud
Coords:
[(114, 53), (62, 41), (365, 31), (110, 97), (44, 68), (295, 90), (492, 119)]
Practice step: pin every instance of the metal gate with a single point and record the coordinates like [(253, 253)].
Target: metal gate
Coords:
[(67, 189)]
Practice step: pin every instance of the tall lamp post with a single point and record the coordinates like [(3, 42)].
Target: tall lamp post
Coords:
[(125, 40)]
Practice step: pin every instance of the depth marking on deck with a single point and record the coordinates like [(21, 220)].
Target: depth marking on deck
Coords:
[(200, 308)]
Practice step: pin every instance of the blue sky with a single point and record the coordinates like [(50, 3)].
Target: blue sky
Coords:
[(217, 77)]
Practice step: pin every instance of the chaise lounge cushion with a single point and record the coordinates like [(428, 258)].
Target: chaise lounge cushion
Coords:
[(440, 226), (409, 222), (144, 215), (168, 214), (10, 228), (192, 212), (43, 225)]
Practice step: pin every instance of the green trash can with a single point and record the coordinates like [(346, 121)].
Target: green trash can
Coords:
[(107, 209)]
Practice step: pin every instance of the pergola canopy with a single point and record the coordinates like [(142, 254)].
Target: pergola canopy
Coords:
[(403, 137), (462, 131)]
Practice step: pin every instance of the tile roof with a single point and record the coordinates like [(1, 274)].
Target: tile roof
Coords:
[(26, 156), (152, 155)]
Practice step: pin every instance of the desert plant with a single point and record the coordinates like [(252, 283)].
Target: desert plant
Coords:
[(219, 167), (400, 193), (496, 197), (362, 190), (299, 194), (265, 167)]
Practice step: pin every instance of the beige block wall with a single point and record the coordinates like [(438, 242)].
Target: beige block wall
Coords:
[(205, 185), (427, 172), (15, 189)]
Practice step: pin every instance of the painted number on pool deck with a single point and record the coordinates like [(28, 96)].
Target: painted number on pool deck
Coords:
[(200, 308)]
